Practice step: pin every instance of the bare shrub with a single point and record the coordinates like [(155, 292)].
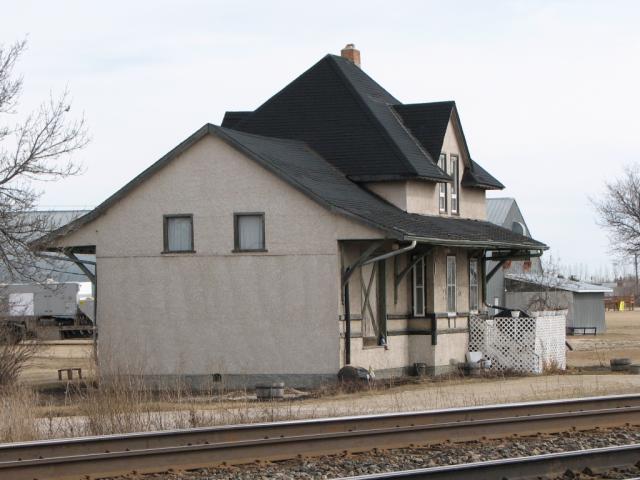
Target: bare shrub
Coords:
[(14, 356), (552, 367), (18, 414)]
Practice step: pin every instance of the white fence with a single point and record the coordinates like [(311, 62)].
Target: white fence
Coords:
[(527, 344)]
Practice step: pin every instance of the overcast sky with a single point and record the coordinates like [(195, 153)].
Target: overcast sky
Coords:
[(547, 91)]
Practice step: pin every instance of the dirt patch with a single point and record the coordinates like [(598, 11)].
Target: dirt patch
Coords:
[(622, 339)]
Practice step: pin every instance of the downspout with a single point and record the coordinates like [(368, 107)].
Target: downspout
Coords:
[(500, 263), (347, 307), (393, 253)]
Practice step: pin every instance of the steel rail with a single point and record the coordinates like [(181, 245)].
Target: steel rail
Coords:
[(522, 467), (229, 433), (308, 444)]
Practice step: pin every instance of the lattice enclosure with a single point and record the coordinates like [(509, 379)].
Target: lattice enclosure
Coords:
[(521, 344)]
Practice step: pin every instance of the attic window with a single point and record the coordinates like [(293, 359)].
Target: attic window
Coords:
[(455, 186), (442, 187)]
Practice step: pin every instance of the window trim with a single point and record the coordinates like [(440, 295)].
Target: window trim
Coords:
[(414, 288), (475, 261), (236, 232), (454, 284), (455, 186), (165, 232), (442, 186)]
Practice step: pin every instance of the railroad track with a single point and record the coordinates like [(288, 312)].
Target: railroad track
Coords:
[(537, 466), (194, 448)]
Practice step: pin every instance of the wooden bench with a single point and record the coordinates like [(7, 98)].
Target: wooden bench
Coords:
[(582, 330), (69, 373)]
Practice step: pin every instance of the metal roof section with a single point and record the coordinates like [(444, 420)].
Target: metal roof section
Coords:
[(558, 283), (498, 209)]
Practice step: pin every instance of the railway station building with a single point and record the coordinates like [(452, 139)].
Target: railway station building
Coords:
[(333, 225)]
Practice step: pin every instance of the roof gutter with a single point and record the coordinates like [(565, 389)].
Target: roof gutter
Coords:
[(471, 243)]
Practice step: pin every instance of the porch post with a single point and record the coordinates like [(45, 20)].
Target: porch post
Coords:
[(347, 329)]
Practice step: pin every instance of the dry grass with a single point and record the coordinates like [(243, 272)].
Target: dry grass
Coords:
[(18, 414), (14, 357)]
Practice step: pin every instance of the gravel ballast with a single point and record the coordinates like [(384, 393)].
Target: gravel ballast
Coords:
[(335, 466)]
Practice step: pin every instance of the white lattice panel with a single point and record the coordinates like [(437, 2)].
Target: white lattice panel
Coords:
[(521, 344)]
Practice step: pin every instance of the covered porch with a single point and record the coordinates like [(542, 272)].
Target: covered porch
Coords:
[(407, 304)]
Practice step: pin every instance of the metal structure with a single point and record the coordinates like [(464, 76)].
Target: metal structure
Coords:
[(194, 448)]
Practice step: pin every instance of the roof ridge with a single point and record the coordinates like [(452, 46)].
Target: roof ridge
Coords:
[(369, 113), (439, 102)]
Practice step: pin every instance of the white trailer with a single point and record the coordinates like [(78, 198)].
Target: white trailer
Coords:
[(31, 309)]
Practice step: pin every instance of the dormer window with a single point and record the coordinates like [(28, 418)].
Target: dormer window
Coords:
[(455, 187), (442, 187)]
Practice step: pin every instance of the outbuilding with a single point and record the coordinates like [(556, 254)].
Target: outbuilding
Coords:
[(584, 301)]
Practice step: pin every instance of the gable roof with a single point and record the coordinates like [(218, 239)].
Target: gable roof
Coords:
[(428, 122), (304, 169)]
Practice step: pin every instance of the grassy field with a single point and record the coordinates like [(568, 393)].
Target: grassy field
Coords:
[(622, 339)]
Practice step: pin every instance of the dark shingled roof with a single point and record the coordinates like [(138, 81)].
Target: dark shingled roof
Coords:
[(231, 119), (304, 169), (348, 118), (359, 127), (476, 176), (428, 123)]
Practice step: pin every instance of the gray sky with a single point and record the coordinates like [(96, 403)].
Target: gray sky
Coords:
[(547, 91)]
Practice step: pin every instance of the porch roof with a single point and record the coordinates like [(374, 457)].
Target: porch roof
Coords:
[(304, 169)]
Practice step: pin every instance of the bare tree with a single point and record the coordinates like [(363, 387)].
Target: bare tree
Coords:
[(619, 211), (36, 149), (549, 295)]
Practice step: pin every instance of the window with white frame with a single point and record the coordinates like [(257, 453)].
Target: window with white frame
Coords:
[(474, 291), (418, 288), (442, 187), (455, 187), (451, 283)]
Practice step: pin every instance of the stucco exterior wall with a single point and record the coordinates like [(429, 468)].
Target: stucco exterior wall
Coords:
[(393, 192), (418, 196), (215, 311), (473, 203), (422, 197)]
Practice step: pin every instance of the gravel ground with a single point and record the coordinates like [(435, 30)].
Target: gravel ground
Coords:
[(335, 466)]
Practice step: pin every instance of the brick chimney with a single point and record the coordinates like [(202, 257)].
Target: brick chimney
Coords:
[(350, 52)]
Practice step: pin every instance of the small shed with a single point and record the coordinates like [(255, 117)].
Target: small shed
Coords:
[(584, 301)]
